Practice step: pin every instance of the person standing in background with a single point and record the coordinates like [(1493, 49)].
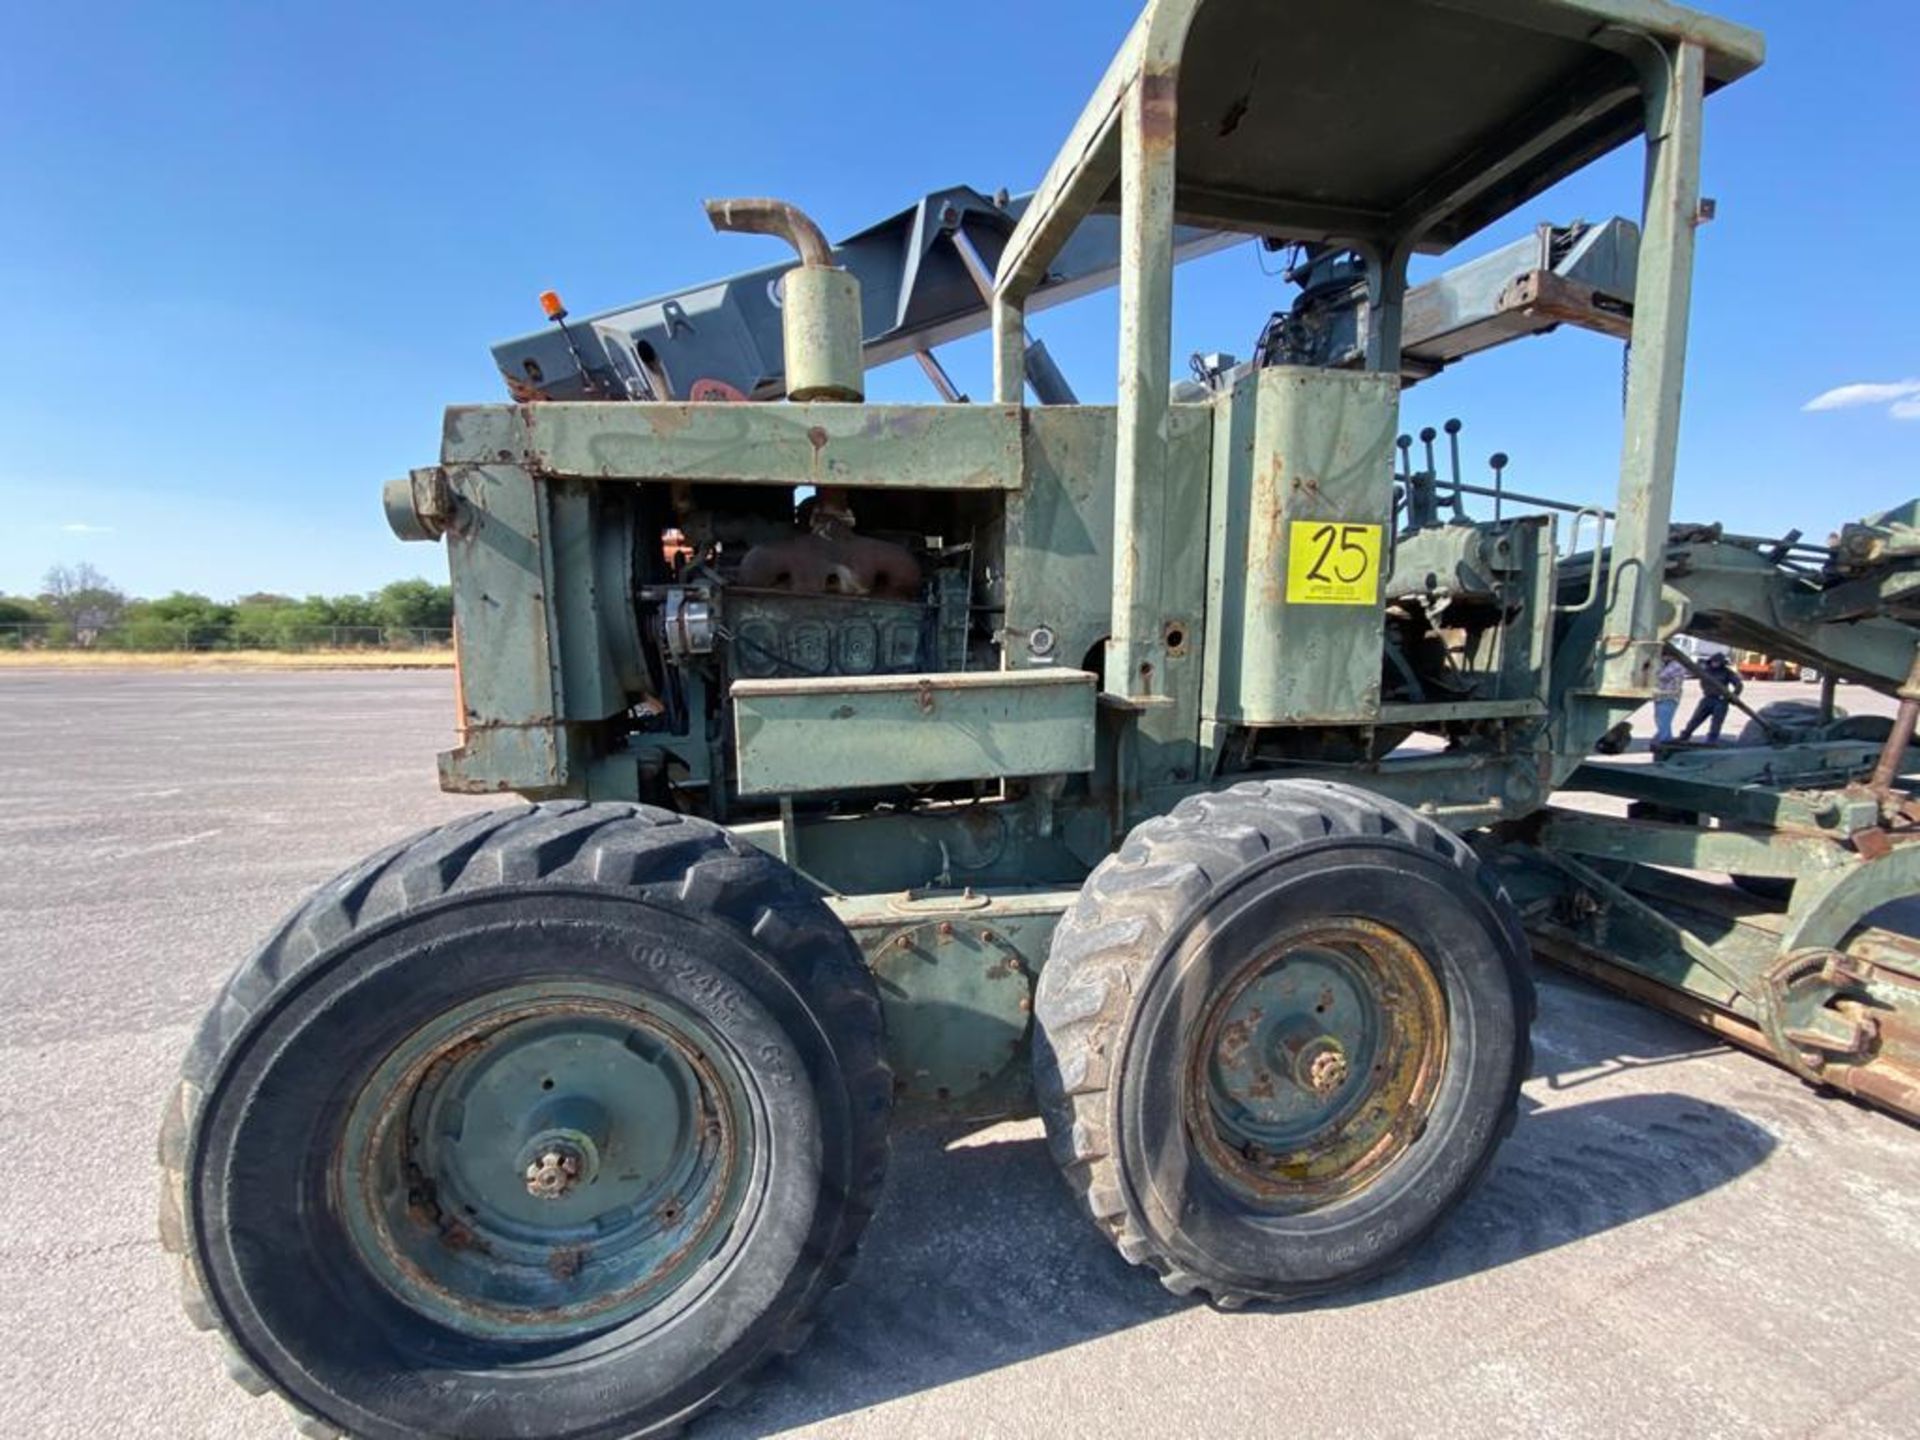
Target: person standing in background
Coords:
[(1718, 685), (1666, 699)]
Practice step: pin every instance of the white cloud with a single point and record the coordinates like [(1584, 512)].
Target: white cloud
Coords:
[(1901, 397), (81, 527)]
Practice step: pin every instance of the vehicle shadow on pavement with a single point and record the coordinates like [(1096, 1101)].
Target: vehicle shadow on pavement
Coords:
[(1575, 1171), (978, 1259)]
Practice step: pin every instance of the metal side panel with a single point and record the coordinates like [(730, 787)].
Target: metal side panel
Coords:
[(831, 734), (501, 563), (873, 447), (1302, 496)]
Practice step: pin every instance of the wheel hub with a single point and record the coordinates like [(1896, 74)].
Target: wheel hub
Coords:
[(561, 1160), (1317, 1063), (545, 1161), (1326, 1072)]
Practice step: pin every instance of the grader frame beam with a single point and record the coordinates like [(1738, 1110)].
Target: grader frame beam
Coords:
[(924, 282)]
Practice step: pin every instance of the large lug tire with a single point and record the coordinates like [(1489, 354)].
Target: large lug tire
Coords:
[(1800, 720), (1280, 1035), (555, 1121), (1788, 717)]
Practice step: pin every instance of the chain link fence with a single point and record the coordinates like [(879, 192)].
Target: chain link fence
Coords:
[(165, 635)]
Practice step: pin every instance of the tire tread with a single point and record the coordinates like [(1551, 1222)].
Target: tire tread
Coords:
[(623, 848), (1131, 904)]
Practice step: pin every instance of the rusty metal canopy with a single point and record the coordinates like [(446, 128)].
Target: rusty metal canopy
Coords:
[(1370, 121)]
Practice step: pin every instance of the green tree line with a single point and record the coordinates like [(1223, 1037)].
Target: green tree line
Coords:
[(79, 606)]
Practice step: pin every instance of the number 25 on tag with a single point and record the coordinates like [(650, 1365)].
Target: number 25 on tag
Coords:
[(1332, 562)]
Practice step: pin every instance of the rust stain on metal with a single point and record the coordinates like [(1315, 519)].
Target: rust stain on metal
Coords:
[(456, 1236), (453, 1055), (422, 1208), (1236, 1036), (564, 1263), (1269, 529), (1401, 1083), (1159, 108), (667, 421), (526, 417), (1873, 843), (817, 437)]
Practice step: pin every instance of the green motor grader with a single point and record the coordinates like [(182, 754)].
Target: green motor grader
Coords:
[(1179, 768)]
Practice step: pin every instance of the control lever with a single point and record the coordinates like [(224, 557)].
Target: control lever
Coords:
[(1422, 510), (1452, 427)]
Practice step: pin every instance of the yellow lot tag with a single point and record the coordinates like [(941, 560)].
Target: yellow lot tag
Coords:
[(1331, 562)]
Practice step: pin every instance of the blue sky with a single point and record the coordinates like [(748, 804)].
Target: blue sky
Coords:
[(253, 250)]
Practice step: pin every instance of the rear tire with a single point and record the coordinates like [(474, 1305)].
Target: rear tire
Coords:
[(1280, 1035), (1793, 720), (554, 1121)]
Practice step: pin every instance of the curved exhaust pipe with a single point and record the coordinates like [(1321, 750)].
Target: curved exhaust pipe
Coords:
[(778, 219), (821, 327)]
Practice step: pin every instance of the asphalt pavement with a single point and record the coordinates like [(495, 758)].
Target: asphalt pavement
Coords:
[(1678, 1240)]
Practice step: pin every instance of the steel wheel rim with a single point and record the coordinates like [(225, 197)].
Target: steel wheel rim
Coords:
[(1317, 1064), (546, 1162)]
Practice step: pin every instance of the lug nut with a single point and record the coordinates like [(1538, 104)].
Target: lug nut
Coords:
[(553, 1174), (1328, 1072)]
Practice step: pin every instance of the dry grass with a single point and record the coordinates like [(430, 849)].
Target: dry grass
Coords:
[(226, 660)]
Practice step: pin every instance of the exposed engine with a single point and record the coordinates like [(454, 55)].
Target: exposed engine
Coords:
[(740, 583)]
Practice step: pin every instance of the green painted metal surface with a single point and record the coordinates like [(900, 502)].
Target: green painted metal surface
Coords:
[(1060, 572), (1059, 537), (501, 561), (804, 736), (879, 447), (956, 970), (546, 640), (1673, 78), (1303, 467), (1784, 853), (546, 1160), (1738, 794), (958, 998)]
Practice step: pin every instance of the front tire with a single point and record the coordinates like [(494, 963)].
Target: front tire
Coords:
[(555, 1121), (1280, 1035)]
